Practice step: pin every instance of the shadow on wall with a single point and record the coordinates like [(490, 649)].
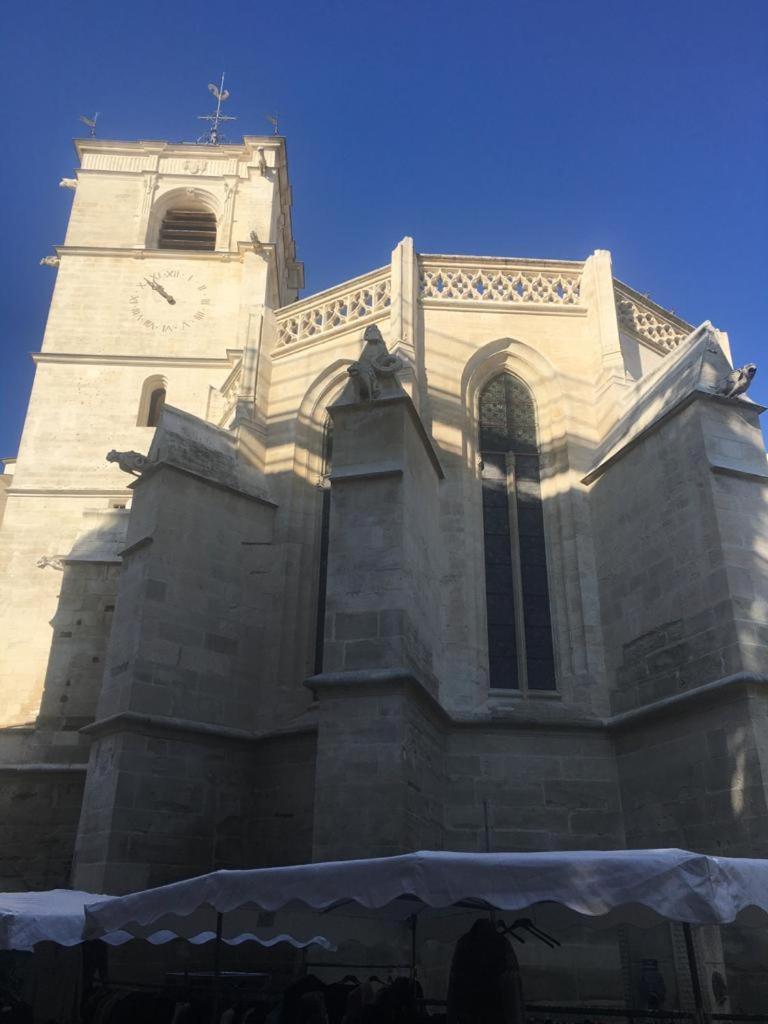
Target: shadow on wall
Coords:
[(42, 764)]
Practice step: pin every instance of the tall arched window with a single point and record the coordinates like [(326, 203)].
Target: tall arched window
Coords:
[(517, 594), (325, 522), (188, 227), (152, 400)]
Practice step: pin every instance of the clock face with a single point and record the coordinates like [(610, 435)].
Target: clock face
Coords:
[(169, 301)]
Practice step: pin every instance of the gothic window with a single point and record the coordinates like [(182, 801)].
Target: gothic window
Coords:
[(151, 402), (186, 227), (325, 520), (517, 595)]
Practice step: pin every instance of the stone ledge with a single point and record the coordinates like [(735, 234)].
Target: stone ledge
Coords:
[(734, 686), (154, 467), (498, 306), (133, 360), (623, 448), (382, 679), (42, 769), (132, 721), (746, 474), (142, 542), (350, 473)]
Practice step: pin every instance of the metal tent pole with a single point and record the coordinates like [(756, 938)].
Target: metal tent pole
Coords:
[(217, 969), (693, 968)]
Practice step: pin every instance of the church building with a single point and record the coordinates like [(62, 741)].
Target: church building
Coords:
[(463, 553)]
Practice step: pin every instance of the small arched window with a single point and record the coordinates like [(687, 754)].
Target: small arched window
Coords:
[(517, 593), (151, 402), (188, 227), (156, 403)]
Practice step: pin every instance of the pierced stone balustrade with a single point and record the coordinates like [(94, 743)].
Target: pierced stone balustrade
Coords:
[(651, 323), (499, 281), (357, 302)]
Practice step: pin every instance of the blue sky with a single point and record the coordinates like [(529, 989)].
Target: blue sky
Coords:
[(543, 129)]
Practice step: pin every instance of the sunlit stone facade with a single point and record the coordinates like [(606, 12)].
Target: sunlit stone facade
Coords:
[(530, 592)]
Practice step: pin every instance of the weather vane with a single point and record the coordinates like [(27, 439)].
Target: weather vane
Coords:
[(272, 118), (91, 122), (212, 137)]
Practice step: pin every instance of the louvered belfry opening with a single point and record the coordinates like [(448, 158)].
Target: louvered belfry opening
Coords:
[(188, 228)]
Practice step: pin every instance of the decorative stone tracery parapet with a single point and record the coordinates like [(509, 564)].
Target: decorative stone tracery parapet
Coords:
[(498, 281), (650, 323), (359, 301)]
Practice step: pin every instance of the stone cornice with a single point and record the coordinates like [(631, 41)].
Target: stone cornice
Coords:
[(374, 680), (155, 467), (500, 261), (618, 453), (732, 687), (68, 492), (132, 147), (527, 308), (133, 721), (117, 359), (140, 253)]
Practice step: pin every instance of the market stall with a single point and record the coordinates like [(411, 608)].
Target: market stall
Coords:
[(411, 899)]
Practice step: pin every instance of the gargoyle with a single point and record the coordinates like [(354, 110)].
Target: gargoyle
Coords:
[(737, 382), (129, 462), (54, 561), (375, 367)]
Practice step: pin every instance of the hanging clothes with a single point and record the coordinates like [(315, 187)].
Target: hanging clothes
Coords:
[(485, 985)]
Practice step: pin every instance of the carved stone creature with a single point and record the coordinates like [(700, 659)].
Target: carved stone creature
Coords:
[(54, 561), (737, 382), (49, 261), (129, 462), (68, 183), (375, 367)]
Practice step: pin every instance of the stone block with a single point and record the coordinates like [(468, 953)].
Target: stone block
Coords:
[(355, 625)]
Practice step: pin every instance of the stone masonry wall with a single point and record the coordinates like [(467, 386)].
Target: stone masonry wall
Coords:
[(81, 629), (667, 618), (39, 811), (695, 778), (382, 544), (171, 805), (545, 789)]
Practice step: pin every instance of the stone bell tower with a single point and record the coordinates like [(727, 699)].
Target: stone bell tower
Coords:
[(174, 258)]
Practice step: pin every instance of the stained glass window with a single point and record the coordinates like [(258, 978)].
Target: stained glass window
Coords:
[(517, 594)]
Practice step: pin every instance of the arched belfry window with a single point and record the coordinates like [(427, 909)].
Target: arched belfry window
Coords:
[(325, 522), (189, 228), (517, 594), (151, 403)]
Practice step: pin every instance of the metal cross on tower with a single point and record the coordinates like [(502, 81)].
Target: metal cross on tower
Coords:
[(213, 137)]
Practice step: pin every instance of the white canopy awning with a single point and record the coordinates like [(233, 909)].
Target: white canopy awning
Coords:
[(27, 918), (345, 900), (58, 915)]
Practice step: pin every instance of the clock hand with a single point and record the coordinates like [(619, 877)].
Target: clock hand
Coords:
[(160, 290), (166, 296)]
